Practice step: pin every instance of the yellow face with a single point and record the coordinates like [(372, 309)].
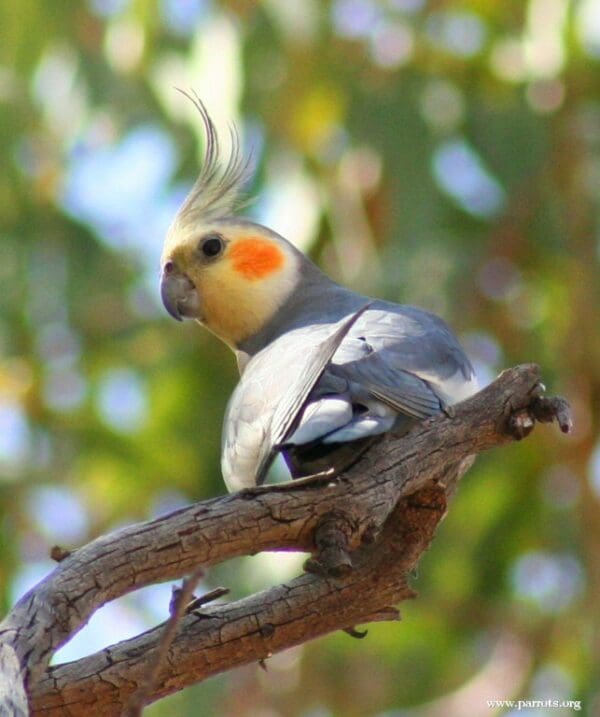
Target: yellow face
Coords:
[(230, 277)]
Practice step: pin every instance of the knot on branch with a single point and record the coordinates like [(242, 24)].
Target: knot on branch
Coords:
[(333, 537), (58, 553), (525, 403), (556, 408), (542, 410)]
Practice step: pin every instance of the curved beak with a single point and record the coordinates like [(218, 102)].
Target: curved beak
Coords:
[(179, 295)]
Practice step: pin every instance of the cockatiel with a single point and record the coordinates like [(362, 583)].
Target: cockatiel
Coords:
[(323, 369)]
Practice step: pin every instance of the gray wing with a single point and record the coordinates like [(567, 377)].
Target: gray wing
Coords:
[(270, 397), (379, 376), (289, 408), (410, 355), (397, 361)]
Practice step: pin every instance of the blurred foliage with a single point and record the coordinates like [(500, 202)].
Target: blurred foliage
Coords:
[(445, 154)]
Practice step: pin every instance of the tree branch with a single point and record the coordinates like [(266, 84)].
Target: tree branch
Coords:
[(366, 528)]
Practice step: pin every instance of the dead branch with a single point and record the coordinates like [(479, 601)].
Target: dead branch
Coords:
[(366, 529)]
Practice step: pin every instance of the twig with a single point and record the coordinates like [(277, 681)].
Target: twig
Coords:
[(198, 602), (177, 609)]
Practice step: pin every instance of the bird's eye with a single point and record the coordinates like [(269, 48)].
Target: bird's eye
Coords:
[(211, 245)]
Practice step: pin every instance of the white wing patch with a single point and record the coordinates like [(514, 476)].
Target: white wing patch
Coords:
[(320, 418), (361, 428)]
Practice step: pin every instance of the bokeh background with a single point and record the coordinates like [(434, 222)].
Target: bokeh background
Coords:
[(445, 154)]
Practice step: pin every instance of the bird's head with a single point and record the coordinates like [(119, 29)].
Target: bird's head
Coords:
[(230, 274)]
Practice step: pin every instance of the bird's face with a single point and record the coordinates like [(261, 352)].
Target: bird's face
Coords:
[(231, 276)]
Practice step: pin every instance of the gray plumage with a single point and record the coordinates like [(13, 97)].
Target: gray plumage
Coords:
[(395, 365)]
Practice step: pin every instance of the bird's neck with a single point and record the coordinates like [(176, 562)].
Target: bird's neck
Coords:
[(315, 300)]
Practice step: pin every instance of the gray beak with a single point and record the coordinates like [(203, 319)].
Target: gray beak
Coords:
[(178, 294)]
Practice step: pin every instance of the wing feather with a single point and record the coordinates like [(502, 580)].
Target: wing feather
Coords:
[(289, 409)]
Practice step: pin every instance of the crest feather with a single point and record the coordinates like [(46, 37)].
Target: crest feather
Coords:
[(216, 192)]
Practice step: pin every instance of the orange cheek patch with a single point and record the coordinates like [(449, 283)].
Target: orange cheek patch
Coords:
[(256, 258)]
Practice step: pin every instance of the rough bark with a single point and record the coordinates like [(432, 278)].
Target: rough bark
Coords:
[(366, 528)]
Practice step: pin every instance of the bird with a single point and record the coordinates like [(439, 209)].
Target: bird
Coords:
[(323, 369)]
